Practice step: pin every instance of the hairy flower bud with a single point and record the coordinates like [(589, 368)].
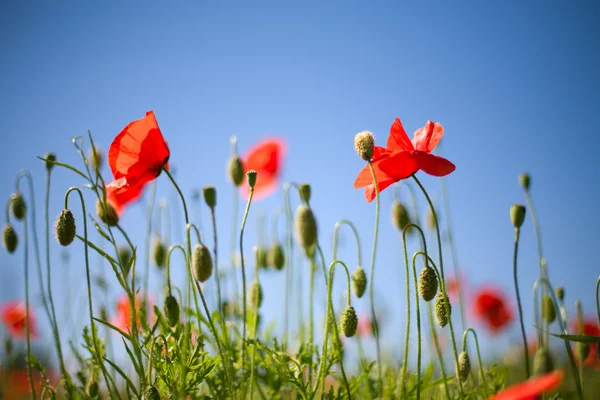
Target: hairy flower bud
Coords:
[(548, 309), (348, 321), (235, 170), (400, 217), (151, 393), (97, 158), (305, 192), (171, 310), (65, 228), (525, 180), (305, 227), (430, 220), (517, 215), (202, 263), (364, 143), (91, 388), (263, 257), (441, 315), (276, 257), (464, 367), (159, 253), (106, 212), (210, 196), (17, 205), (255, 295), (124, 256), (251, 177), (542, 362), (428, 283), (50, 158), (359, 281), (560, 293), (9, 238)]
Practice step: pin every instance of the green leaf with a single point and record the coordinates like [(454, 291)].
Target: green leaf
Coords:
[(578, 338), (120, 371), (111, 326)]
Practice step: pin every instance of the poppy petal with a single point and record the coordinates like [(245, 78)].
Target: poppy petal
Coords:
[(398, 139), (119, 195), (426, 138), (399, 165), (266, 158), (531, 388), (365, 177), (433, 165), (370, 192)]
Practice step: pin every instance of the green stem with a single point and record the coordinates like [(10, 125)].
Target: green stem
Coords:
[(217, 277), (27, 332), (252, 378), (149, 213), (418, 321), (536, 311), (289, 259), (244, 310), (581, 332), (598, 299), (336, 228), (464, 347), (234, 223), (443, 282), (311, 301), (516, 280), (438, 350), (372, 280)]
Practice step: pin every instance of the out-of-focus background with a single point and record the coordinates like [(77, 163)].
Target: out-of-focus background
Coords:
[(515, 85)]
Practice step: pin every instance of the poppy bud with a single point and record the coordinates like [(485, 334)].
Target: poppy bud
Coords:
[(440, 309), (542, 362), (276, 257), (430, 220), (305, 227), (525, 180), (517, 215), (582, 350), (263, 257), (124, 256), (560, 293), (151, 393), (464, 366), (96, 158), (106, 212), (548, 309), (50, 158), (235, 170), (159, 253), (359, 281), (364, 143), (255, 295), (400, 216), (91, 388), (428, 283), (210, 196), (348, 321), (172, 311), (17, 205), (202, 263), (304, 191), (251, 175), (65, 228), (9, 238)]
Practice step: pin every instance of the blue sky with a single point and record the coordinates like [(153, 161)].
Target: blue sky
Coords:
[(513, 83)]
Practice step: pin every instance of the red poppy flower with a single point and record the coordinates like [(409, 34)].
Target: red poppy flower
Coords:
[(402, 158), (13, 317), (138, 154), (122, 319), (266, 158), (119, 198), (491, 308), (531, 388), (15, 382), (590, 327)]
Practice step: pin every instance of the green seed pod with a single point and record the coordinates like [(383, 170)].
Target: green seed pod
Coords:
[(348, 321), (400, 216), (464, 367), (9, 238), (91, 388), (305, 192), (440, 310), (17, 205), (107, 213), (235, 170), (517, 215), (263, 257), (151, 393), (202, 263), (359, 281), (251, 175), (97, 158), (172, 311), (255, 295), (582, 350), (364, 143), (65, 228), (305, 227), (159, 253), (428, 283), (124, 256), (430, 220), (560, 293), (210, 196), (276, 257), (525, 181), (548, 309), (50, 158), (542, 362)]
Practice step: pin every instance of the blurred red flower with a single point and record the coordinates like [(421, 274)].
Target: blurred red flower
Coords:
[(137, 154), (530, 389), (13, 316), (122, 319), (491, 308), (452, 285), (590, 327), (365, 326), (15, 382), (266, 158), (120, 197)]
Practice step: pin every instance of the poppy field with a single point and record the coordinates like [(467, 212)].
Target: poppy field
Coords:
[(197, 339)]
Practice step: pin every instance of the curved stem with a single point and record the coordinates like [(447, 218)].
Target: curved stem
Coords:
[(516, 280), (168, 268), (372, 280), (244, 310), (336, 228), (464, 347)]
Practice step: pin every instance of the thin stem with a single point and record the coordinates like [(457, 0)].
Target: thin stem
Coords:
[(438, 350), (443, 282), (252, 378), (27, 330), (372, 280), (234, 223), (536, 311), (464, 348), (598, 299), (244, 310), (149, 212), (336, 228), (289, 259), (516, 280), (168, 268), (217, 277), (311, 301), (581, 332), (418, 320)]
